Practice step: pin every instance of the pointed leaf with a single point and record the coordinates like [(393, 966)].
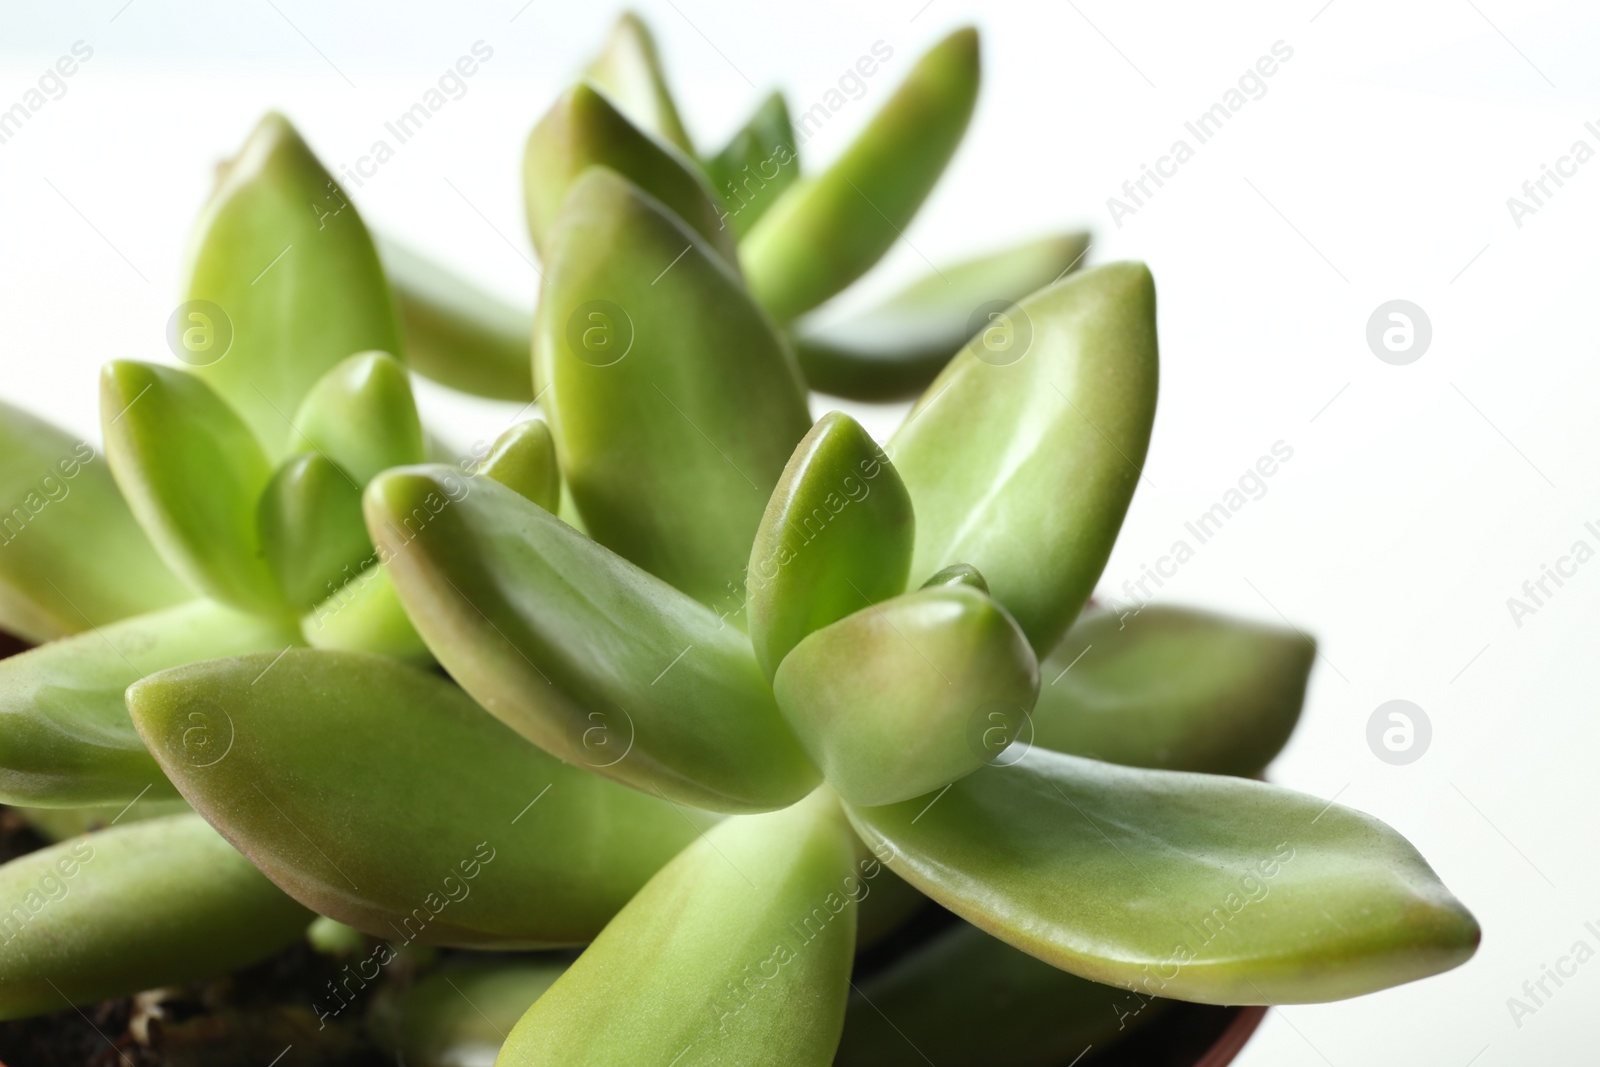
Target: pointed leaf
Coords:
[(365, 615), (282, 255), (524, 458), (585, 130), (71, 555), (1189, 886), (1173, 688), (628, 68), (957, 574), (192, 474), (909, 695), (738, 951), (156, 903), (667, 386), (895, 349), (825, 232), (836, 536), (362, 416), (310, 526), (327, 781), (1023, 466), (456, 333), (65, 736), (459, 1015), (756, 166), (580, 651)]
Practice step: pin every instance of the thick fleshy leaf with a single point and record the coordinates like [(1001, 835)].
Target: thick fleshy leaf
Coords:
[(456, 333), (580, 651), (131, 908), (674, 403), (585, 130), (836, 537), (460, 1014), (309, 522), (192, 473), (362, 416), (65, 736), (336, 769), (1173, 688), (974, 1001), (1188, 886), (756, 166), (957, 574), (738, 951), (826, 231), (58, 824), (1024, 466), (365, 615), (628, 68), (895, 349), (909, 695), (524, 458), (71, 555), (282, 255)]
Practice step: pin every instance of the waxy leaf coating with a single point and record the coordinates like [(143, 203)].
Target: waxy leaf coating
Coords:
[(365, 615), (309, 522), (836, 537), (1023, 467), (524, 458), (71, 555), (110, 914), (582, 652), (674, 403), (738, 951), (756, 165), (628, 68), (1187, 886), (362, 416), (339, 763), (910, 694)]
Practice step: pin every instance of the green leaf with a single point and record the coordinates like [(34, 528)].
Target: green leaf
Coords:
[(836, 536), (58, 824), (975, 1001), (65, 736), (524, 458), (456, 333), (1187, 886), (895, 349), (668, 386), (156, 903), (71, 555), (192, 474), (585, 130), (909, 695), (365, 615), (756, 166), (1175, 689), (580, 651), (738, 951), (826, 231), (628, 68), (310, 526), (282, 255), (957, 574), (1024, 466), (342, 762), (459, 1015), (362, 416)]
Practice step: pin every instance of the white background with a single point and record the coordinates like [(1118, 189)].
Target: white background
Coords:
[(1377, 166)]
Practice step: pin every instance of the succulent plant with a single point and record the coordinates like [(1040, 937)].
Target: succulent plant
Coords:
[(723, 693)]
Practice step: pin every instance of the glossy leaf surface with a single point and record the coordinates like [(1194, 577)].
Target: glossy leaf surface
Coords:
[(582, 652), (957, 574), (628, 68), (738, 951), (365, 615), (524, 458), (909, 695), (328, 779), (836, 537), (895, 349), (71, 555), (362, 416), (756, 165), (155, 903), (674, 403), (826, 231), (1187, 886), (1024, 467), (309, 522), (1173, 688)]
